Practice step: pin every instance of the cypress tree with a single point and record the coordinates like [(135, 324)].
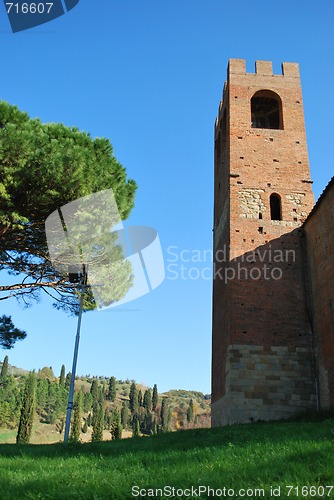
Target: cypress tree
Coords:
[(27, 410), (104, 390), (97, 434), (125, 415), (118, 431), (133, 403), (4, 368), (102, 394), (147, 401), (163, 412), (77, 415), (190, 411), (53, 402), (42, 395), (107, 418), (111, 396), (94, 390), (154, 397), (62, 398), (140, 398), (116, 425), (68, 380), (135, 427), (147, 425), (10, 402), (88, 401), (62, 376), (165, 416)]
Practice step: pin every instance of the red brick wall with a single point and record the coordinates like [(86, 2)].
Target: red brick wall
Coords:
[(319, 229)]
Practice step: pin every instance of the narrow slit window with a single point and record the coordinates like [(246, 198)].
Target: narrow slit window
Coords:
[(275, 207)]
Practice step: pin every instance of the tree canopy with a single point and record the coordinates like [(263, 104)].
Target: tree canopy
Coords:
[(9, 334), (43, 167)]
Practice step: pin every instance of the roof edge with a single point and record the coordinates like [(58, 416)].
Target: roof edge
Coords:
[(320, 199)]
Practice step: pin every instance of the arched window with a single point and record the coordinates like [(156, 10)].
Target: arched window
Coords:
[(266, 109), (275, 207)]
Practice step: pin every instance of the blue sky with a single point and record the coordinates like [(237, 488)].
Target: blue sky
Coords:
[(149, 75)]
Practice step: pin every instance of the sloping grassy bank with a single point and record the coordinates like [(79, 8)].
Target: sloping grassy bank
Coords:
[(255, 457)]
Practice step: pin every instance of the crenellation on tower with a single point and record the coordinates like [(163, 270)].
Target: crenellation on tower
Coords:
[(236, 66), (290, 70), (264, 68)]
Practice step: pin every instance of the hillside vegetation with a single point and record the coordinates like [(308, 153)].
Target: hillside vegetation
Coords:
[(114, 408)]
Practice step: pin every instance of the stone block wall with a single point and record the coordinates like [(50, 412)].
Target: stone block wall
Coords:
[(265, 383)]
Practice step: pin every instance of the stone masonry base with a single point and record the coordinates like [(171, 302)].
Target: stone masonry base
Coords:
[(265, 383)]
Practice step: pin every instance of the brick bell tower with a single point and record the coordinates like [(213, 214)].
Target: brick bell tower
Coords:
[(262, 360)]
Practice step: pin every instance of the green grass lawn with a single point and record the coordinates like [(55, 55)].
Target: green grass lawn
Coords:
[(255, 456)]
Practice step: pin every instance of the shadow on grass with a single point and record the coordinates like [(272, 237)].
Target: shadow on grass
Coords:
[(241, 435), (245, 456)]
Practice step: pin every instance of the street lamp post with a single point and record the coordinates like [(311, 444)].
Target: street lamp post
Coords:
[(82, 279)]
